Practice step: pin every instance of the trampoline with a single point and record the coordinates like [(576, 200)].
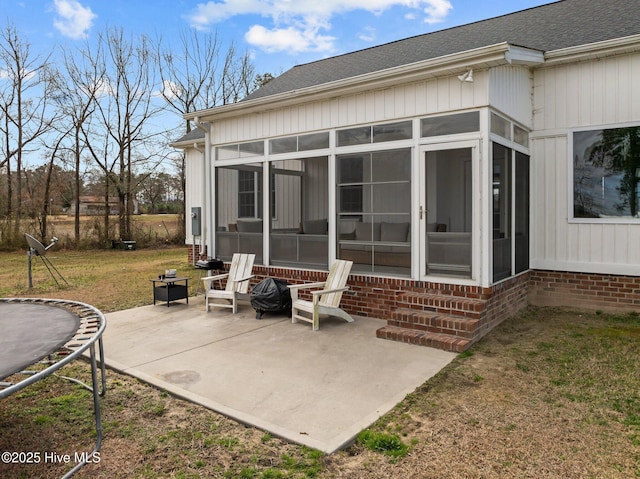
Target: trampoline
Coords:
[(44, 335)]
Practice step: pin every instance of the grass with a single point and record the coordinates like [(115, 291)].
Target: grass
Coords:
[(550, 393), (110, 280), (389, 444)]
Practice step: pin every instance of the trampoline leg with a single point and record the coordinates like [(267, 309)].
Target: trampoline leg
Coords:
[(103, 374), (96, 408)]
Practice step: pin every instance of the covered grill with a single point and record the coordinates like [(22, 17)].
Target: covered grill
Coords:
[(272, 295)]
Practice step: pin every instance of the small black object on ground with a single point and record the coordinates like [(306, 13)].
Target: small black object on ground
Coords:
[(127, 245)]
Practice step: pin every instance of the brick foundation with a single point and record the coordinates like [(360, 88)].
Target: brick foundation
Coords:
[(190, 253), (452, 316), (604, 292)]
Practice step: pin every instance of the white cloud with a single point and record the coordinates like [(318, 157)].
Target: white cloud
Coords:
[(72, 19), (299, 25), (368, 34), (436, 11), (288, 39), (171, 89)]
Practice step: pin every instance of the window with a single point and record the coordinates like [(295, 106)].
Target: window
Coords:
[(374, 206), (500, 126), (299, 233), (392, 132), (351, 175), (291, 144), (283, 145), (240, 150), (239, 212), (606, 173), (521, 136), (510, 209), (247, 194), (313, 141), (354, 136), (363, 135), (450, 124)]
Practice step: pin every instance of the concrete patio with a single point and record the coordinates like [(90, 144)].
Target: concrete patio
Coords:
[(313, 388)]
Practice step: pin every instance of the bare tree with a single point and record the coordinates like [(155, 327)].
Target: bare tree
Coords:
[(25, 95), (78, 87), (194, 78), (238, 76), (125, 109), (189, 72)]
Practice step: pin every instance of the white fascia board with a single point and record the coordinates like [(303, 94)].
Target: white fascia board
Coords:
[(524, 56), (615, 46), (454, 64)]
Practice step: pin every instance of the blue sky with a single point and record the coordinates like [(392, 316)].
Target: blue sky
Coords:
[(277, 33)]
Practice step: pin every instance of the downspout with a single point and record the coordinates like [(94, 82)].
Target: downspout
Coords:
[(202, 243), (207, 193)]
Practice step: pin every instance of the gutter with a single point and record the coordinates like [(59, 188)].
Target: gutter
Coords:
[(456, 63), (590, 51)]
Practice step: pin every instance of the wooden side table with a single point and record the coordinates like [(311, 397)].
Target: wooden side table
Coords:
[(168, 290)]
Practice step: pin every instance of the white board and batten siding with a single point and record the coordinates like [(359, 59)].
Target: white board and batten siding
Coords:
[(194, 177), (510, 93), (597, 93), (402, 101)]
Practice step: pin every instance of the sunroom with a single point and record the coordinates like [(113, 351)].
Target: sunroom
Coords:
[(411, 198), (418, 174)]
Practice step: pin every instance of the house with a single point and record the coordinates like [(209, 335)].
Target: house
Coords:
[(466, 172), (93, 206)]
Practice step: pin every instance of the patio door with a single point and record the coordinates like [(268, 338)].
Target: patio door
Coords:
[(446, 210)]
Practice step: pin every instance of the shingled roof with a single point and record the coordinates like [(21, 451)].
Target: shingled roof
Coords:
[(554, 26), (548, 27)]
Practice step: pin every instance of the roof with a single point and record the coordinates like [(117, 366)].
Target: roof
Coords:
[(554, 26), (545, 28), (194, 135)]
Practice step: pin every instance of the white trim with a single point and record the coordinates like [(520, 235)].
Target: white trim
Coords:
[(523, 56), (622, 220), (453, 64), (476, 207), (590, 51)]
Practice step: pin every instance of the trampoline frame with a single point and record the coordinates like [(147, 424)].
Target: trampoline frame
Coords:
[(89, 332)]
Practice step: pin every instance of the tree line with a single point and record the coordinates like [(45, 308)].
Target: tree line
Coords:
[(99, 119)]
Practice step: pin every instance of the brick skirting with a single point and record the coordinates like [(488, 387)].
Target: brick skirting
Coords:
[(379, 297), (604, 292)]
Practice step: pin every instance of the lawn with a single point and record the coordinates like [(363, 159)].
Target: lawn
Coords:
[(551, 393)]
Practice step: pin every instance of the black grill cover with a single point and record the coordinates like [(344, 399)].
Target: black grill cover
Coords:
[(272, 295)]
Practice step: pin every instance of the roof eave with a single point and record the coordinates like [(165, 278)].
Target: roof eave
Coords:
[(589, 51), (489, 56)]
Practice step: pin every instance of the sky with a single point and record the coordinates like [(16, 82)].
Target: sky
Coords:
[(277, 34)]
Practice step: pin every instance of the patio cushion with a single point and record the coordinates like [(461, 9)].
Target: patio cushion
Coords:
[(368, 231), (315, 227), (394, 232), (249, 225)]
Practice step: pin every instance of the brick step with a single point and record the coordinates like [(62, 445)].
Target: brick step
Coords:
[(434, 322), (445, 342), (451, 305)]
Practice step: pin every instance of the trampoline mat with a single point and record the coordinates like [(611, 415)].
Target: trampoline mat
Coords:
[(30, 332)]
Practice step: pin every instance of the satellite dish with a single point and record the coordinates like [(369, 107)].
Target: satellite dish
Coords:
[(35, 245), (36, 248)]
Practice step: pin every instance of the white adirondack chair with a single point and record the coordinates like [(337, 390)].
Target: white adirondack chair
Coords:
[(325, 300), (237, 284)]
